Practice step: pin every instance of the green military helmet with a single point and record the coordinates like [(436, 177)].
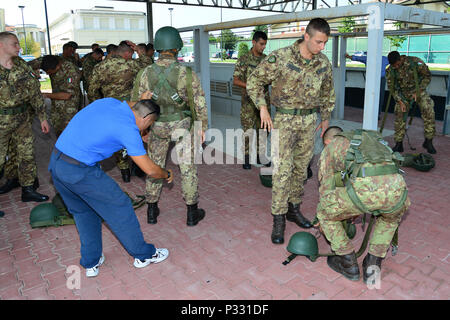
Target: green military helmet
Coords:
[(167, 38), (423, 162), (47, 214), (304, 244), (266, 180)]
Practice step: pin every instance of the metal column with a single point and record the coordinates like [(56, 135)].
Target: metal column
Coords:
[(339, 51), (374, 53), (150, 21), (201, 65)]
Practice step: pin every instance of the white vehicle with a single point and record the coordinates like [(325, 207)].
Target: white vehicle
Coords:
[(188, 57), (234, 55)]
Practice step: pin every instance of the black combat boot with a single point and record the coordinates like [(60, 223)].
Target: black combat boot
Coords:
[(29, 194), (279, 224), (294, 215), (2, 213), (126, 175), (136, 171), (310, 173), (398, 146), (246, 164), (9, 185), (368, 261), (152, 213), (36, 184), (428, 144), (194, 214), (347, 265)]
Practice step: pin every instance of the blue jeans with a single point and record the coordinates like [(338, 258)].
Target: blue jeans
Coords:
[(92, 196)]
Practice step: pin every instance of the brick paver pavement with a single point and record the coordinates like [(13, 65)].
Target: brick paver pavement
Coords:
[(229, 254)]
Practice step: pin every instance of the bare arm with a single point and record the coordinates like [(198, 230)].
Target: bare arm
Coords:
[(151, 169), (239, 83), (58, 95)]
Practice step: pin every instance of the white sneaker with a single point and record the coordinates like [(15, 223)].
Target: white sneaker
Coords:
[(161, 254), (93, 272)]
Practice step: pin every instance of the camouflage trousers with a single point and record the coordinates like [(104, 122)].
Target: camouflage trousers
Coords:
[(336, 206), (295, 151), (17, 141), (250, 119), (122, 161), (426, 106), (183, 154), (62, 112)]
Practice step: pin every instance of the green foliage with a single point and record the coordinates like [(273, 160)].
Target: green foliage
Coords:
[(228, 39), (348, 25), (31, 46), (242, 49), (396, 41)]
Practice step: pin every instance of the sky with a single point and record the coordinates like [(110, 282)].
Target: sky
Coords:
[(182, 16)]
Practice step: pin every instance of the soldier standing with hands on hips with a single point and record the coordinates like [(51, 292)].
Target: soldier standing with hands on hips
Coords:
[(19, 90), (302, 86)]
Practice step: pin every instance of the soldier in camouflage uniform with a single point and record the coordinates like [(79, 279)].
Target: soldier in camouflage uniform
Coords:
[(65, 79), (250, 119), (19, 90), (401, 75), (114, 77), (170, 84), (384, 193), (89, 63), (302, 86), (144, 60)]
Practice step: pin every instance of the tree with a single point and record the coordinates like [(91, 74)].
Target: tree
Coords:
[(396, 41), (242, 49), (31, 46), (229, 39), (348, 25)]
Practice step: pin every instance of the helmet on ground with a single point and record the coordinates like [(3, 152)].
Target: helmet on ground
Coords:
[(60, 205), (47, 214), (423, 162), (304, 244), (266, 180), (167, 38)]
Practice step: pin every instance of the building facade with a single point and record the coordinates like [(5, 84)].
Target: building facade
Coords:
[(102, 25)]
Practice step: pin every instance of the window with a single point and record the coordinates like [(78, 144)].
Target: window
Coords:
[(88, 23)]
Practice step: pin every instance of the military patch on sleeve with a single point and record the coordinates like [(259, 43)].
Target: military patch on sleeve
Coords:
[(32, 74), (272, 59), (69, 80), (321, 70)]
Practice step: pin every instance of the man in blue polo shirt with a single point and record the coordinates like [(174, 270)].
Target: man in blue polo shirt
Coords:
[(384, 64), (94, 134)]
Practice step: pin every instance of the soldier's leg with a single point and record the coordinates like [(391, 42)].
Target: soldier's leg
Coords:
[(399, 124), (11, 166), (189, 179), (332, 209), (426, 105), (157, 148), (302, 155), (384, 230), (247, 124), (24, 141)]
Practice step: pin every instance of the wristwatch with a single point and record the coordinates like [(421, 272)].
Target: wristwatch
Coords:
[(168, 174)]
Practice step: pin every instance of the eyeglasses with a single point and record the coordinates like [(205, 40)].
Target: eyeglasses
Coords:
[(149, 114)]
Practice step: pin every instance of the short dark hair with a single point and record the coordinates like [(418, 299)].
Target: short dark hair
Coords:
[(49, 62), (73, 44), (146, 107), (124, 47), (99, 51), (111, 48), (331, 132), (6, 34), (95, 45), (150, 46), (393, 57), (66, 46), (259, 35), (318, 24)]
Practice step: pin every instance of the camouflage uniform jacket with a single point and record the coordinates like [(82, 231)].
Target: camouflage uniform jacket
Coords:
[(114, 77), (19, 86), (67, 79), (332, 160), (296, 83), (144, 61), (402, 80), (244, 67), (88, 67), (141, 85)]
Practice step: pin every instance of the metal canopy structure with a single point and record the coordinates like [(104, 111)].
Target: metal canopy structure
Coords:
[(375, 13)]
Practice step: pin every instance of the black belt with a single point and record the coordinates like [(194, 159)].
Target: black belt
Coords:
[(66, 158)]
